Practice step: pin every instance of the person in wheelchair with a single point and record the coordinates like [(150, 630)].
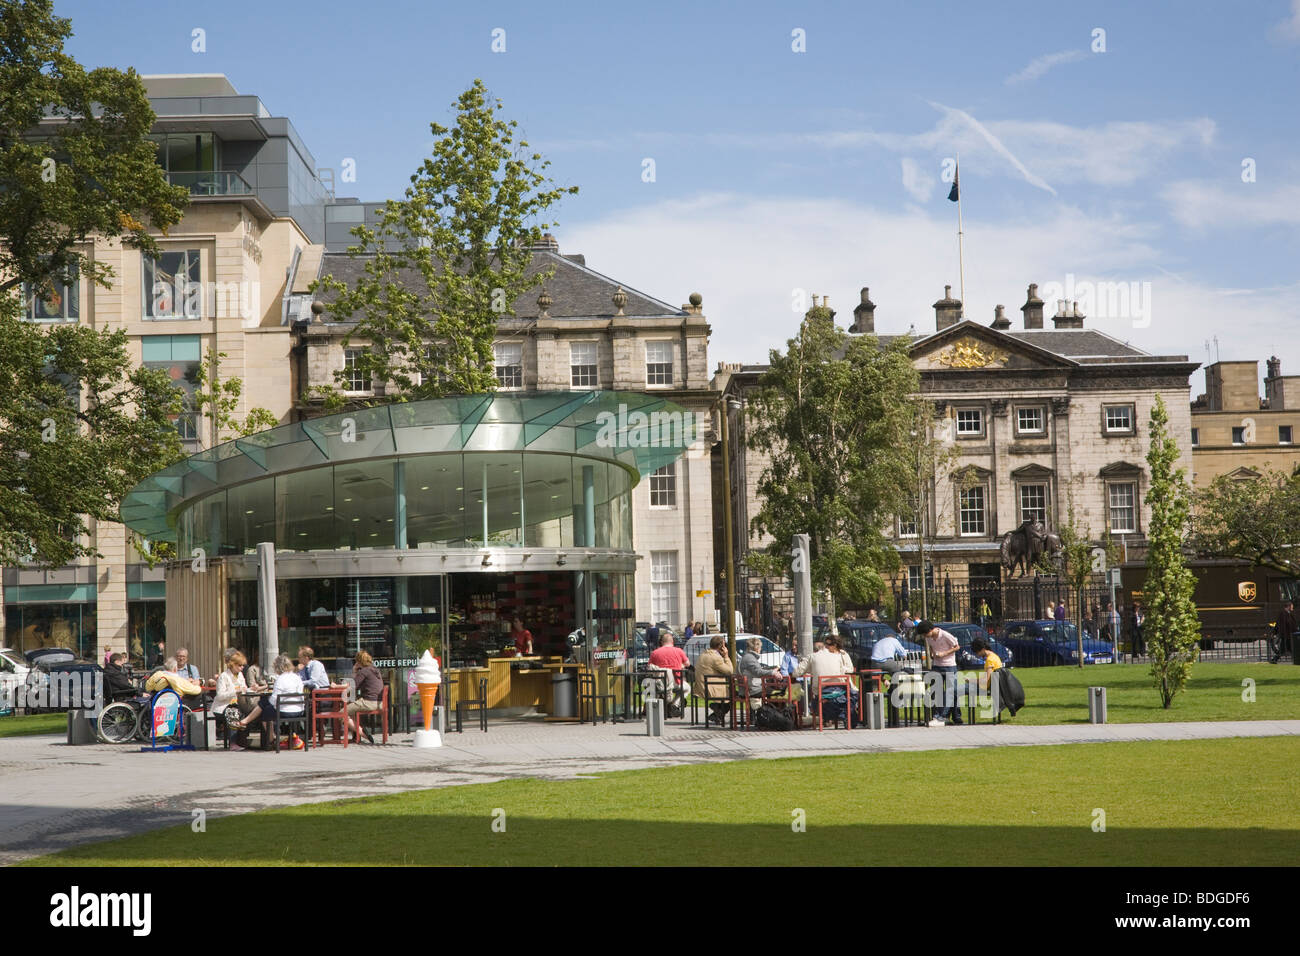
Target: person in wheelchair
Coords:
[(117, 685)]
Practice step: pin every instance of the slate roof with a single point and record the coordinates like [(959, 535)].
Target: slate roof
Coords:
[(1077, 343), (576, 291)]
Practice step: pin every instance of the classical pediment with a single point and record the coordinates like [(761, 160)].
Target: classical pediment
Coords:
[(1120, 469), (1031, 472), (1243, 473), (969, 346)]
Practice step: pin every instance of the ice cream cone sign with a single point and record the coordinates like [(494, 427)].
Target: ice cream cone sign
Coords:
[(427, 678)]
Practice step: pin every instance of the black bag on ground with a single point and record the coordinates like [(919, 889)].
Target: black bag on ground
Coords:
[(771, 717), (1012, 692)]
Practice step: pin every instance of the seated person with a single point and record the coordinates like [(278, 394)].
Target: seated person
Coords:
[(829, 661), (370, 695), (185, 668), (286, 682), (311, 671), (117, 685), (888, 655), (669, 657), (751, 665), (980, 648), (714, 663), (191, 691)]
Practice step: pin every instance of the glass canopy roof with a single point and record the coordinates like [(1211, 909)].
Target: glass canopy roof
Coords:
[(639, 432)]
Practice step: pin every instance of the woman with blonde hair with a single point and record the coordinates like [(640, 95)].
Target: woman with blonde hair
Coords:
[(230, 683), (287, 683), (370, 692)]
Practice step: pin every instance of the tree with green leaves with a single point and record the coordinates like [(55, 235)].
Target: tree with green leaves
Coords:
[(835, 414), (79, 424), (1251, 519), (1172, 625), (218, 398), (445, 263)]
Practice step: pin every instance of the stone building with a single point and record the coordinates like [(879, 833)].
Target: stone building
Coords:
[(234, 278), (583, 331), (1038, 417), (1235, 431)]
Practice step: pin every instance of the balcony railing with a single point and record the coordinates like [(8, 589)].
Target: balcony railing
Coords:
[(214, 183)]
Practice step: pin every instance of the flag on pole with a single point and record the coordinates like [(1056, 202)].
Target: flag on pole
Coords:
[(953, 193)]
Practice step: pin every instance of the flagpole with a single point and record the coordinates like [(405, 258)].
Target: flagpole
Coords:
[(961, 264)]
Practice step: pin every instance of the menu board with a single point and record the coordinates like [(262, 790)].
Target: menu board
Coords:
[(369, 611)]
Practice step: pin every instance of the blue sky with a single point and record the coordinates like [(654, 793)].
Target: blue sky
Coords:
[(779, 174)]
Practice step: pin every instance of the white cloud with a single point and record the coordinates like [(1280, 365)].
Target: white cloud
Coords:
[(1041, 64), (995, 144), (1289, 29), (1111, 154), (916, 180), (747, 256), (1198, 204)]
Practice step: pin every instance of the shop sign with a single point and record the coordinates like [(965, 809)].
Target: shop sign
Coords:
[(244, 622), (397, 662), (617, 655)]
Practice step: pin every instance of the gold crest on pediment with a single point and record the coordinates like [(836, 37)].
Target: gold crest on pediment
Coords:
[(969, 353)]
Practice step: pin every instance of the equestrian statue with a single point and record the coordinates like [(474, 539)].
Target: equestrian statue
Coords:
[(1024, 546)]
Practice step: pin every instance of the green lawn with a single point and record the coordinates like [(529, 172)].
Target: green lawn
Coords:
[(1228, 802), (24, 724), (1058, 695)]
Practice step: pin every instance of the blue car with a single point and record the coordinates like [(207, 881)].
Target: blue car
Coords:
[(1047, 642), (965, 633), (860, 637)]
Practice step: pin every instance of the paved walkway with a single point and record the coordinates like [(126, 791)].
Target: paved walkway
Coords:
[(53, 796)]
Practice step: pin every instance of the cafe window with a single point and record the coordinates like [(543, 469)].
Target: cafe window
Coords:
[(171, 287), (663, 586), (509, 360), (971, 508), (58, 300), (659, 363), (1123, 508), (970, 422), (582, 365), (663, 487)]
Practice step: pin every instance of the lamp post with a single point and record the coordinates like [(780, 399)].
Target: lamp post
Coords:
[(727, 405)]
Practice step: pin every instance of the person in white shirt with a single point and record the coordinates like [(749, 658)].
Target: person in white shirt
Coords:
[(311, 670), (828, 661), (286, 683)]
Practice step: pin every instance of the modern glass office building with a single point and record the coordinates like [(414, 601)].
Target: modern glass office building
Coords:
[(416, 524)]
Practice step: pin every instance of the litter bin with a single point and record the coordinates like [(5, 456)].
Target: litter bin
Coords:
[(564, 694), (81, 728), (1096, 705)]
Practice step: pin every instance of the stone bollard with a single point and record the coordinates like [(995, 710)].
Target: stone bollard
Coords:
[(874, 706), (654, 717)]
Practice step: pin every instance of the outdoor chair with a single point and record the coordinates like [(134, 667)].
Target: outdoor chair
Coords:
[(827, 682), (718, 690), (328, 711), (660, 678), (478, 703), (779, 689), (589, 700), (382, 715), (870, 681), (302, 719)]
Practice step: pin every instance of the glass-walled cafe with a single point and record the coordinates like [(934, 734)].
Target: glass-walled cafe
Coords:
[(420, 525)]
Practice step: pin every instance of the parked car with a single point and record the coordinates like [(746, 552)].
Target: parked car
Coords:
[(860, 638), (13, 673), (771, 654), (965, 633), (1047, 642), (48, 667)]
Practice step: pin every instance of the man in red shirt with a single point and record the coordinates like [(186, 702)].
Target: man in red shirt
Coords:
[(671, 658)]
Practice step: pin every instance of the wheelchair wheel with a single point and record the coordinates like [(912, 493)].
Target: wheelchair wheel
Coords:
[(119, 723)]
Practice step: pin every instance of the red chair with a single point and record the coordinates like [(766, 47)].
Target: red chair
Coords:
[(834, 680), (876, 680), (329, 707), (382, 713)]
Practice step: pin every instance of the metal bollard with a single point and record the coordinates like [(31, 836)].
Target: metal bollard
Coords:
[(874, 705), (654, 717), (1096, 705)]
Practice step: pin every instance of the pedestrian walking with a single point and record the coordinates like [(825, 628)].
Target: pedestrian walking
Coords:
[(1284, 632)]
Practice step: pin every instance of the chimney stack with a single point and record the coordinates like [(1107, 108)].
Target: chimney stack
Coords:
[(1274, 366), (864, 315), (1070, 318), (1033, 308), (1000, 320), (947, 311)]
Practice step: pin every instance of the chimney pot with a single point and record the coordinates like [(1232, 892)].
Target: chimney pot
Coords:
[(864, 314), (1033, 308)]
